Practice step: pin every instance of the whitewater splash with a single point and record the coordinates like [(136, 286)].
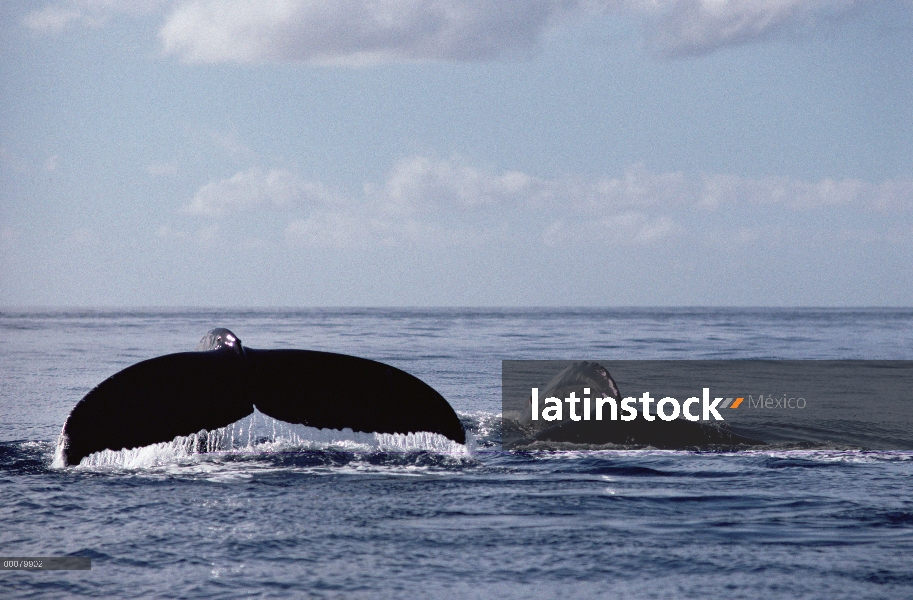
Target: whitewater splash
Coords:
[(261, 434)]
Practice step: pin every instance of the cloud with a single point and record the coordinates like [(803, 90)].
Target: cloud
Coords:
[(354, 228), (627, 227), (446, 202), (356, 32), (230, 144), (640, 187), (254, 188), (421, 201), (58, 16), (695, 27), (359, 32), (423, 183), (892, 194), (362, 32), (53, 19), (324, 228)]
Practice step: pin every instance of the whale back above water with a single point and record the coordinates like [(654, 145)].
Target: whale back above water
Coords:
[(179, 394), (220, 339)]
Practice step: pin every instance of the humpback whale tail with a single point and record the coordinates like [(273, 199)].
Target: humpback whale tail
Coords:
[(161, 398)]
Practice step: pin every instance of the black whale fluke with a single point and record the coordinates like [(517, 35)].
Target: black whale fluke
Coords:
[(179, 394)]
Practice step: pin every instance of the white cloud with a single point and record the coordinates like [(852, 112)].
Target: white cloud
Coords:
[(694, 27), (255, 188), (423, 183), (353, 228), (52, 18), (55, 17), (358, 31), (628, 227), (639, 187), (892, 194), (230, 144), (439, 202), (324, 228)]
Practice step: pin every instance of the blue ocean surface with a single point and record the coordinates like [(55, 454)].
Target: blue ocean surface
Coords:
[(288, 511)]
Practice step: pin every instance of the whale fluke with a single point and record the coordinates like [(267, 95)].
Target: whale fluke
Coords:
[(157, 400), (161, 398), (332, 391)]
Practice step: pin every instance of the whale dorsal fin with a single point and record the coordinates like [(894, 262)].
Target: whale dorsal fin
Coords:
[(220, 339)]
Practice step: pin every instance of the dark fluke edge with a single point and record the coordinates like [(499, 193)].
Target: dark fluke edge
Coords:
[(161, 398), (678, 434)]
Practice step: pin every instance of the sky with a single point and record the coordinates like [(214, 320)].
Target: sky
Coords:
[(298, 153)]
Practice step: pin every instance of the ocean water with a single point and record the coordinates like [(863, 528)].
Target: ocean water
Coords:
[(288, 511)]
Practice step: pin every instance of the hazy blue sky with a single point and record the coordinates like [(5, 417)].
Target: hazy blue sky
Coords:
[(456, 152)]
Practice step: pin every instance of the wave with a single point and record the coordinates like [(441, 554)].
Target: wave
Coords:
[(260, 434)]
